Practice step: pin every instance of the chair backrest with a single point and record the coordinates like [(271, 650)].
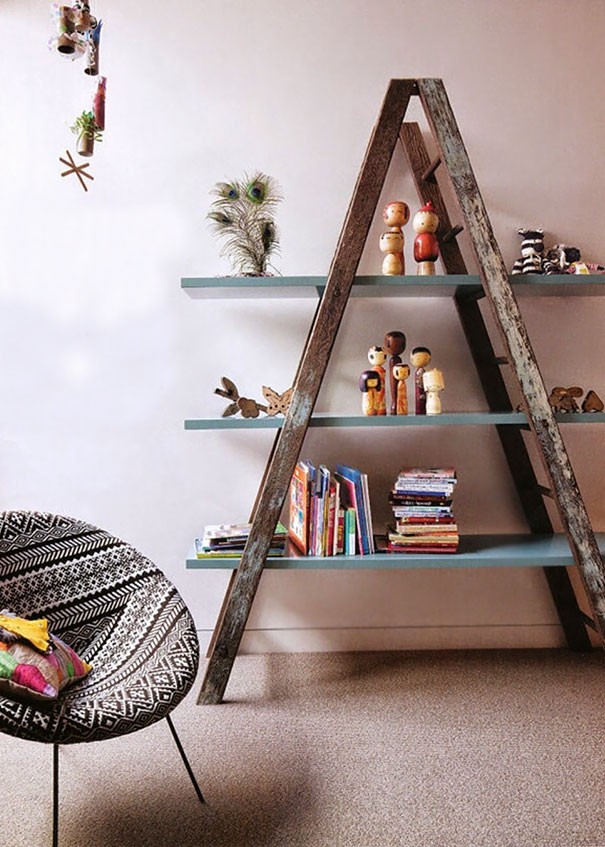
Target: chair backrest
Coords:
[(115, 608), (76, 575)]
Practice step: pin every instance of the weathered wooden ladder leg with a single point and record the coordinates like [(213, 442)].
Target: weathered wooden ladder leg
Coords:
[(493, 384), (520, 354), (306, 387)]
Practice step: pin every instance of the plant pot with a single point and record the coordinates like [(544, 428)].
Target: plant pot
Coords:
[(65, 44), (86, 145)]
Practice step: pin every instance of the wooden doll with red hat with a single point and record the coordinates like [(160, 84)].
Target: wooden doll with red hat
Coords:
[(426, 246)]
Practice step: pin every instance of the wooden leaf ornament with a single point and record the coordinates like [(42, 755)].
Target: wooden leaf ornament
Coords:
[(232, 409)]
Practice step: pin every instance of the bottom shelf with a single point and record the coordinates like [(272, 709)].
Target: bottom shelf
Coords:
[(475, 551)]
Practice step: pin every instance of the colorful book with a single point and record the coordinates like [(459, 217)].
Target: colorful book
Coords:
[(364, 530), (299, 509)]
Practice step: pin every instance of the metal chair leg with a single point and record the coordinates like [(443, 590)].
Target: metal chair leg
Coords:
[(177, 741), (55, 795)]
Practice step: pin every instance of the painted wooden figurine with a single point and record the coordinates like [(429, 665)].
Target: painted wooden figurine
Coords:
[(377, 357), (420, 357), (370, 387), (433, 385), (426, 246), (401, 373), (395, 215), (394, 344)]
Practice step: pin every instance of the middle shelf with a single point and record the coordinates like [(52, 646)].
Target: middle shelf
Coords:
[(445, 419)]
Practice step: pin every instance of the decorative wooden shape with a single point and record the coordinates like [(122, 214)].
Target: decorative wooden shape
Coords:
[(78, 170)]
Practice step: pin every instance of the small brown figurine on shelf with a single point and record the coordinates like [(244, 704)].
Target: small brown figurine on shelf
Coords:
[(394, 344), (420, 358), (395, 215), (592, 402), (426, 246), (401, 373), (377, 357), (370, 387), (433, 385), (564, 399)]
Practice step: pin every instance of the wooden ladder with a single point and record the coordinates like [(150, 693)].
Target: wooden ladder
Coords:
[(389, 129)]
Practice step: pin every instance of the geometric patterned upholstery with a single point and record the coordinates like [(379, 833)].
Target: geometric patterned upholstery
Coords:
[(115, 608)]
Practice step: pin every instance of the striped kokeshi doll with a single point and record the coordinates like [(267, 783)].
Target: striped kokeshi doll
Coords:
[(532, 250)]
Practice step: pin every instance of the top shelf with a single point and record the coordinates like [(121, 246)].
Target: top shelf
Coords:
[(557, 285)]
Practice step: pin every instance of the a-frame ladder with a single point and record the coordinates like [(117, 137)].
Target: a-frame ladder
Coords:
[(496, 287)]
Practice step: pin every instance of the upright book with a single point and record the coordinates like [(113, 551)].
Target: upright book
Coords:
[(364, 527)]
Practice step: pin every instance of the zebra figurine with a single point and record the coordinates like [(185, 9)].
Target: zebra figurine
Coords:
[(532, 250)]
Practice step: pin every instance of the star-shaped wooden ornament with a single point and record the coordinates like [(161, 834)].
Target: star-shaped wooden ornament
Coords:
[(78, 170)]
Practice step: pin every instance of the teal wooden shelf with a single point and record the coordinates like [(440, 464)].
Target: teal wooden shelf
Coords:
[(390, 286), (475, 551), (445, 419)]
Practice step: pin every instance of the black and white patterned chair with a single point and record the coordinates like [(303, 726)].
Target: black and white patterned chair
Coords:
[(117, 610)]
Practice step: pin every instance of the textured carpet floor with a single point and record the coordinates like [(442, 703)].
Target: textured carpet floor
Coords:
[(456, 749)]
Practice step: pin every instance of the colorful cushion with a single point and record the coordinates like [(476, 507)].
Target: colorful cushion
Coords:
[(32, 675)]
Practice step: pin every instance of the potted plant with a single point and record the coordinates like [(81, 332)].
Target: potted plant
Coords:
[(88, 131)]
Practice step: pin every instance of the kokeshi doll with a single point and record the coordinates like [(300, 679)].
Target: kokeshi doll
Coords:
[(391, 244), (420, 358), (369, 385), (426, 246), (433, 385), (401, 373), (395, 214), (394, 345), (377, 357)]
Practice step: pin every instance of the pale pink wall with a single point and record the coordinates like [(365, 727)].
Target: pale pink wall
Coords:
[(104, 355)]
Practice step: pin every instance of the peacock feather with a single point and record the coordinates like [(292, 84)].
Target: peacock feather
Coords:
[(242, 215)]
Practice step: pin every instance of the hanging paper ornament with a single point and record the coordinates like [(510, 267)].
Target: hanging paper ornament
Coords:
[(98, 103), (93, 43), (76, 34)]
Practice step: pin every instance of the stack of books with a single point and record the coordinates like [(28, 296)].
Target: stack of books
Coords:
[(229, 540), (329, 511), (421, 499)]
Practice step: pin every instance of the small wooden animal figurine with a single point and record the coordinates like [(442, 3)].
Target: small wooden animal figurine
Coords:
[(401, 373), (433, 385), (377, 357), (564, 399), (394, 344), (370, 387), (592, 402), (426, 246), (395, 215), (420, 358), (532, 252)]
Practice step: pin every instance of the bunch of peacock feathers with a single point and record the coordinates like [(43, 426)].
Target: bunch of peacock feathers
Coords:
[(243, 214)]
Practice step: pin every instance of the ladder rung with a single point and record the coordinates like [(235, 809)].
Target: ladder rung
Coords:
[(501, 360), (429, 173), (546, 492), (588, 621), (452, 233)]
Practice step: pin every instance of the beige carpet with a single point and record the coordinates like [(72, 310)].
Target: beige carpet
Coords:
[(489, 749)]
